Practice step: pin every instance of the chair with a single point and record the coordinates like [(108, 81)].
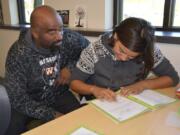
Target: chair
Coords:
[(5, 110)]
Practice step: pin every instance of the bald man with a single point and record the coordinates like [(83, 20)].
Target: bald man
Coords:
[(38, 68)]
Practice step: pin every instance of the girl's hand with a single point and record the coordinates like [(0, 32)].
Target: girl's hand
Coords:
[(131, 89), (103, 93)]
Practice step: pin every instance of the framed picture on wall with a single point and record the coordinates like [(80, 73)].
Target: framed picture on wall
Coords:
[(65, 16), (80, 16)]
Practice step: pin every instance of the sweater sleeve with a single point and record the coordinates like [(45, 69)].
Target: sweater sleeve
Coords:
[(73, 44), (163, 67), (85, 65), (16, 84)]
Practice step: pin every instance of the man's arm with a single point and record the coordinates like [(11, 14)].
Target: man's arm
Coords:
[(73, 44)]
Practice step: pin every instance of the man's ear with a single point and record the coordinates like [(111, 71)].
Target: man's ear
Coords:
[(34, 33)]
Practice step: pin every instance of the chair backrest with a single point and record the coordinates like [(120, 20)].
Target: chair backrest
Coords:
[(5, 110)]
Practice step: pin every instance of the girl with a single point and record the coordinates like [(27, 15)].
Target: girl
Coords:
[(122, 59)]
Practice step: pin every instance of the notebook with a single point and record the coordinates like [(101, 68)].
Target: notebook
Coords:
[(125, 108)]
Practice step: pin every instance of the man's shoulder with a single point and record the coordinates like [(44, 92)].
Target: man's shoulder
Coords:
[(75, 39), (19, 48), (72, 34)]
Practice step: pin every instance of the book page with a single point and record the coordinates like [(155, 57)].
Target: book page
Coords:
[(153, 98), (83, 131), (122, 109)]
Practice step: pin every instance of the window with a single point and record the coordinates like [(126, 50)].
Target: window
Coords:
[(25, 7), (163, 14), (28, 6), (176, 22), (147, 9)]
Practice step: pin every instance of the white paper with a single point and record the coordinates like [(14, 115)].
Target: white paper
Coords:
[(153, 98), (83, 131), (122, 109), (173, 120)]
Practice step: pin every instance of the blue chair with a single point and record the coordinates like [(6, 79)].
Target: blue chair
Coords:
[(5, 110)]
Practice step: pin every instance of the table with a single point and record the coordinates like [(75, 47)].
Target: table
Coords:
[(149, 123)]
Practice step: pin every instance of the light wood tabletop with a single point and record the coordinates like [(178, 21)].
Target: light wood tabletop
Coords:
[(149, 123)]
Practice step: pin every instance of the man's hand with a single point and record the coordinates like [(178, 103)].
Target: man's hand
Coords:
[(103, 93), (64, 77), (57, 115)]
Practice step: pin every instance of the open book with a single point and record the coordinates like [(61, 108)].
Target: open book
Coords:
[(127, 107)]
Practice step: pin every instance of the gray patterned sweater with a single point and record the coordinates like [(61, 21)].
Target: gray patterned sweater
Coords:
[(31, 72), (98, 66)]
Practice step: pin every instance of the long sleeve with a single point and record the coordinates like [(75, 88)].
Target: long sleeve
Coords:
[(163, 67), (16, 84), (85, 65)]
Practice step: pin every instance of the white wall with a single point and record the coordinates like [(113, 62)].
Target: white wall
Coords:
[(108, 14), (6, 11), (7, 37), (172, 52), (10, 13), (97, 16), (14, 12), (99, 12)]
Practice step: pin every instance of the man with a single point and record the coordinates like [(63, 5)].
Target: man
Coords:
[(38, 68)]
